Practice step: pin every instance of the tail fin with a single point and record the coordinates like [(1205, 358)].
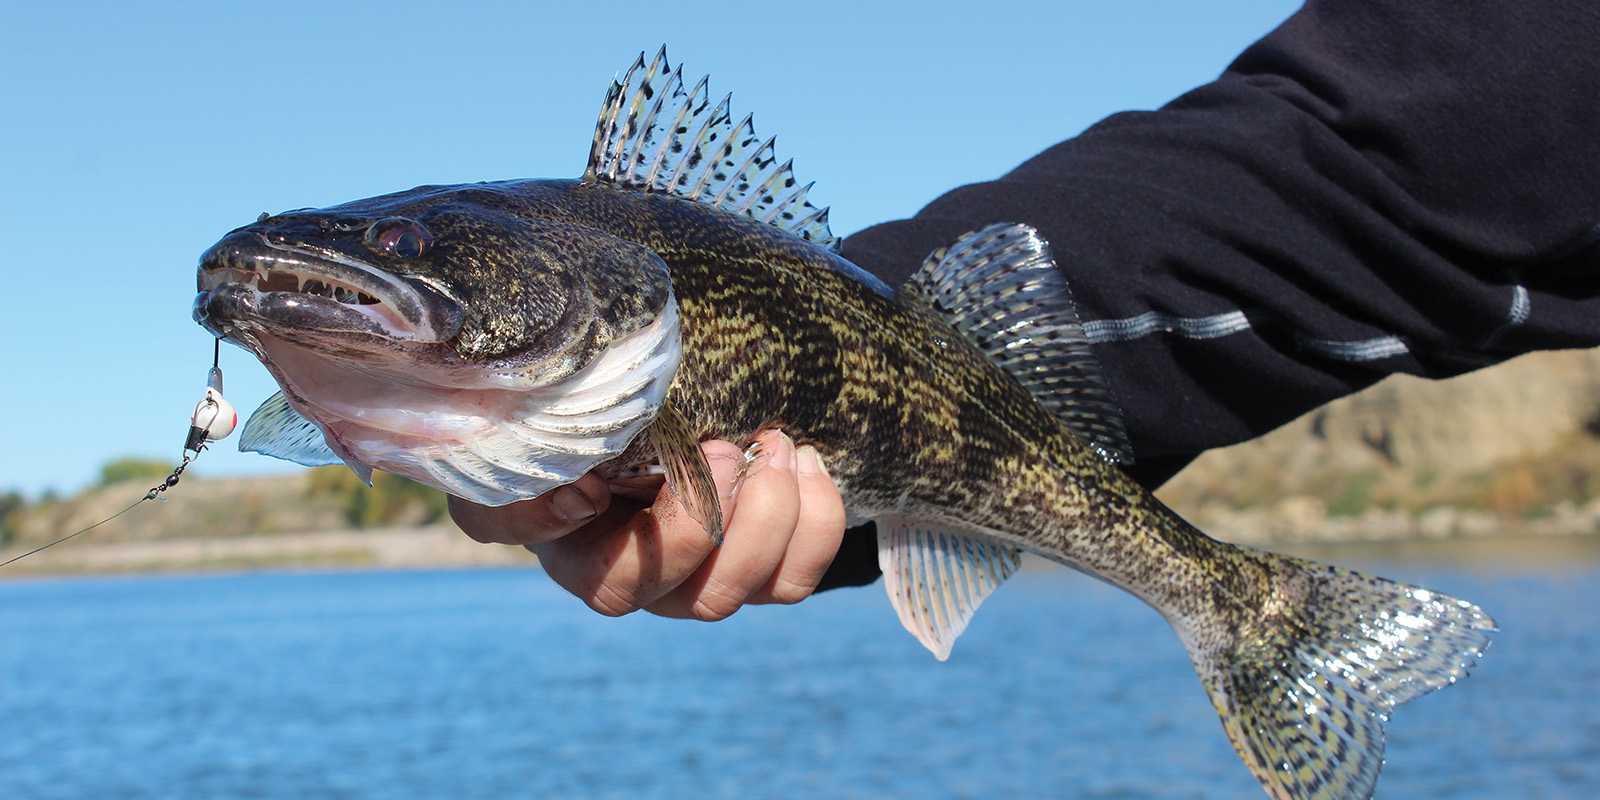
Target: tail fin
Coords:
[(1304, 689)]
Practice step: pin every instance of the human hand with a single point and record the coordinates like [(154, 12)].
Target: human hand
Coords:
[(783, 521)]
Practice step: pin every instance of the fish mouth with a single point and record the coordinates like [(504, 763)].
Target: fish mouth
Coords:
[(247, 279)]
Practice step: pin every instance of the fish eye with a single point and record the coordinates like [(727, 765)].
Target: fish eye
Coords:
[(399, 236)]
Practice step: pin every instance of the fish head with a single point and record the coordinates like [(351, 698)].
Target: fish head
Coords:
[(447, 335)]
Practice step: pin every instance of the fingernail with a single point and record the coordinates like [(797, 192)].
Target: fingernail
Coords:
[(571, 505), (774, 448), (810, 461), (783, 451)]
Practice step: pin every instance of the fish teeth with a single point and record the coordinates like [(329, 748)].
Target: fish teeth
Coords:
[(280, 280)]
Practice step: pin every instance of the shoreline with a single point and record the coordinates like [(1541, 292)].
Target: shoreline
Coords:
[(1305, 520), (411, 547), (1475, 536)]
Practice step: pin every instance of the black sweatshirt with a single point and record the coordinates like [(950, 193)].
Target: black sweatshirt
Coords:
[(1377, 186)]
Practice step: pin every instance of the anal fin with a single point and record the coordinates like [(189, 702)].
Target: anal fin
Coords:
[(937, 578)]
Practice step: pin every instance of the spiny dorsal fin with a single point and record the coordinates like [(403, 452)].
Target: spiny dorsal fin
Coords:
[(655, 137), (1001, 289), (936, 578)]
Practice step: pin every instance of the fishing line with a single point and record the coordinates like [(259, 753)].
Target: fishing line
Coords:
[(213, 419)]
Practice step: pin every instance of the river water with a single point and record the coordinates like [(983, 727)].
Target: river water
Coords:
[(495, 684)]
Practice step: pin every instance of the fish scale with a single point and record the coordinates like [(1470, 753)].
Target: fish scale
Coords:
[(686, 289)]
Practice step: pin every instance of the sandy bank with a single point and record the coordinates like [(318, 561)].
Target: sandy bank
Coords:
[(384, 548)]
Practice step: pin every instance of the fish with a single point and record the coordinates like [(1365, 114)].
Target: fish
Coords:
[(497, 340)]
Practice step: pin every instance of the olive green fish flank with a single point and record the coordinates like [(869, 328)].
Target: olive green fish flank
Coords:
[(500, 339)]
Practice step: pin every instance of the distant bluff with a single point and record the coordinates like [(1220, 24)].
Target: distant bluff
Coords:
[(1515, 446)]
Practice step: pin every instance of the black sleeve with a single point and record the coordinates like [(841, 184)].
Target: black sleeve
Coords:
[(1374, 187)]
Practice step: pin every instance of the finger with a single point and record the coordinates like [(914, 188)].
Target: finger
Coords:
[(640, 488), (758, 532), (548, 516), (817, 534), (621, 564)]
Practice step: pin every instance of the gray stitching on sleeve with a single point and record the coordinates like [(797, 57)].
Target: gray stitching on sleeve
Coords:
[(1521, 307), (1121, 330), (1231, 322)]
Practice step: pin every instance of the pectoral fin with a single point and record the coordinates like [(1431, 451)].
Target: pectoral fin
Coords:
[(277, 430), (688, 474), (937, 577)]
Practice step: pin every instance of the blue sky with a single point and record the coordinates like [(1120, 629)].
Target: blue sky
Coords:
[(133, 135)]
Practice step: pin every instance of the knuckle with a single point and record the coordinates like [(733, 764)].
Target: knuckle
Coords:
[(786, 591), (716, 601), (610, 602), (711, 611)]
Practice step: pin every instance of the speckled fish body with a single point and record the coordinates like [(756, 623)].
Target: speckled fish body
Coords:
[(500, 339)]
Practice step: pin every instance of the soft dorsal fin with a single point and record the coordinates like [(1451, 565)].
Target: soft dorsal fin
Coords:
[(937, 578), (655, 137), (1001, 289)]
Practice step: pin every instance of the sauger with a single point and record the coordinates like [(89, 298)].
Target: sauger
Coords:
[(497, 340)]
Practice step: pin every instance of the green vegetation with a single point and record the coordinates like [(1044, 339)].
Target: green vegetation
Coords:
[(130, 469), (12, 507), (391, 500), (322, 499), (1357, 494)]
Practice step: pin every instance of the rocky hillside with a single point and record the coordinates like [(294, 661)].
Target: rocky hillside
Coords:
[(1514, 447)]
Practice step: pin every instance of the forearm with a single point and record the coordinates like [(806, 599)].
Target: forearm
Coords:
[(1365, 191), (1372, 188)]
